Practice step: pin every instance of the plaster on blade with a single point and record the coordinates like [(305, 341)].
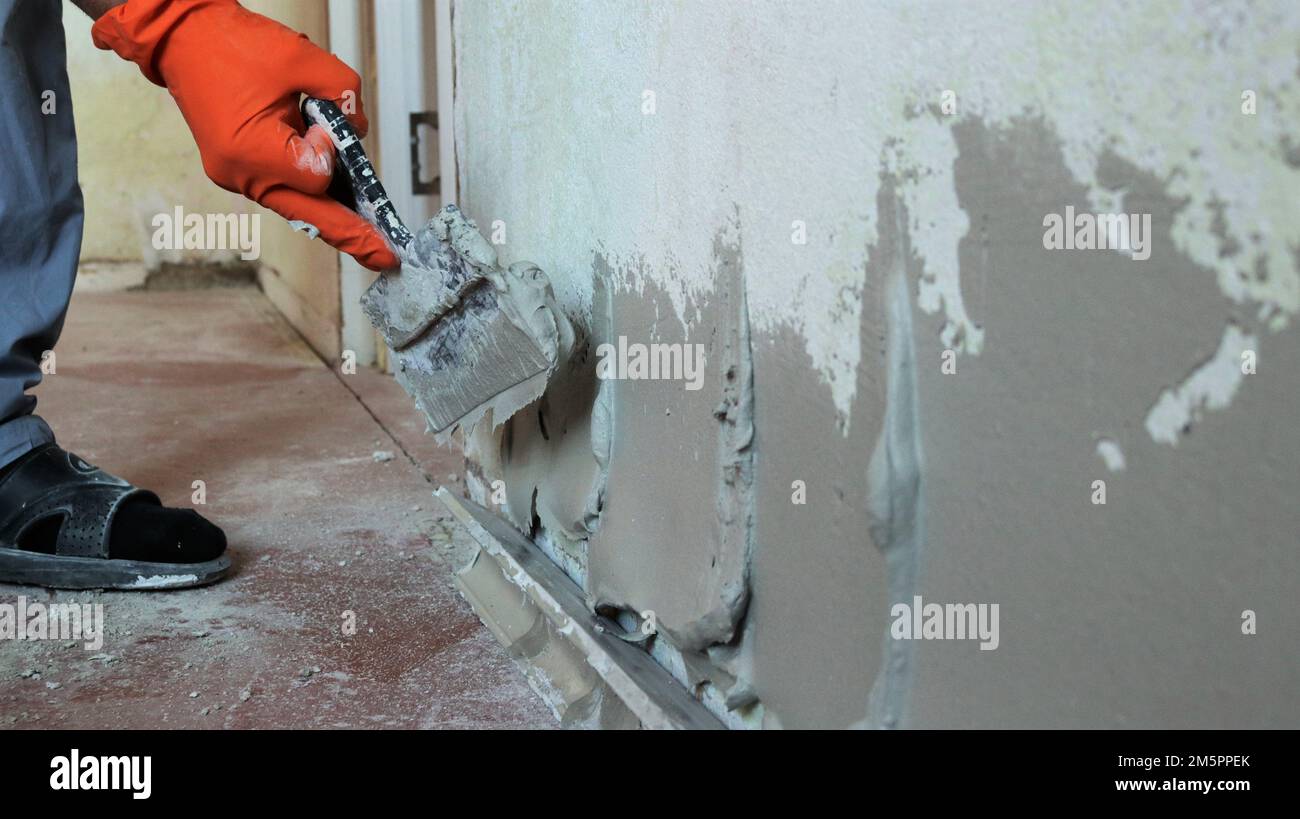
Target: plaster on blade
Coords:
[(469, 338)]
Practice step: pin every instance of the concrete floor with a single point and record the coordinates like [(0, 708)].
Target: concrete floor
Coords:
[(165, 388)]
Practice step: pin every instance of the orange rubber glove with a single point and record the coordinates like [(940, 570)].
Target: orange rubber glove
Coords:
[(238, 77)]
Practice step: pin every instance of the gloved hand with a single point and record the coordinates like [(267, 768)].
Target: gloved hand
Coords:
[(237, 77)]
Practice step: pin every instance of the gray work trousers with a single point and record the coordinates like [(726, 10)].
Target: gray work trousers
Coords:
[(40, 210)]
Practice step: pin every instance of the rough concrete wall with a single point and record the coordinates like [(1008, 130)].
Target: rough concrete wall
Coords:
[(663, 162)]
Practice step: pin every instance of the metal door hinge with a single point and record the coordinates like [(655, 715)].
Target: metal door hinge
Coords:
[(419, 187)]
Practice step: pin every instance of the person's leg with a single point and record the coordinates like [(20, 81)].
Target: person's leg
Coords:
[(40, 242), (40, 211)]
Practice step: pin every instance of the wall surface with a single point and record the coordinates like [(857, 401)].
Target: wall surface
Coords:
[(136, 159), (845, 204), (135, 155)]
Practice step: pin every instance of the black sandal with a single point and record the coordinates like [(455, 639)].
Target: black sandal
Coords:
[(53, 487)]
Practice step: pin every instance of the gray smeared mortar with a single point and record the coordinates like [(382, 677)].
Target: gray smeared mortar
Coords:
[(1124, 615), (568, 431), (690, 507), (894, 480), (556, 458)]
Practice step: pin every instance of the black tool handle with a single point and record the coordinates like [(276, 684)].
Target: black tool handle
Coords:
[(370, 199)]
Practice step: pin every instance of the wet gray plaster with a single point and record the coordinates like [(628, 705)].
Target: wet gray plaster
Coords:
[(1120, 615), (821, 579), (554, 452), (664, 543)]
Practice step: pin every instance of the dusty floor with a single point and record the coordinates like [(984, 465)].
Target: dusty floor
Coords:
[(166, 388)]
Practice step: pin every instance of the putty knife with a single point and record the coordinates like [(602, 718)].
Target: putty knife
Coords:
[(467, 336)]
